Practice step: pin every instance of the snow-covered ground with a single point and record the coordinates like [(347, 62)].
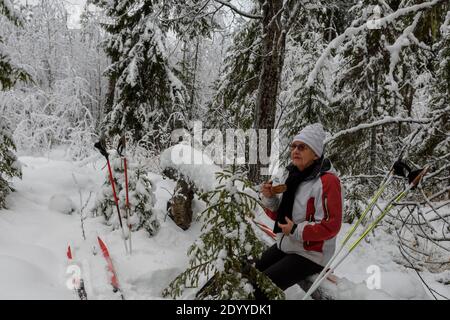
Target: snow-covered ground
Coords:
[(35, 233), (34, 239)]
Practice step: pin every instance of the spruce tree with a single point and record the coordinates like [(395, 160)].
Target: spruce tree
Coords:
[(226, 242), (433, 142), (233, 105), (10, 73), (9, 165), (362, 96), (382, 74), (141, 198), (187, 72), (301, 104), (147, 98)]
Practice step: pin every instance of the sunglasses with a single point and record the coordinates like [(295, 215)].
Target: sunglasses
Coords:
[(299, 146)]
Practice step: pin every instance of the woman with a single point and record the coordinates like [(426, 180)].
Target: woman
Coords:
[(307, 218)]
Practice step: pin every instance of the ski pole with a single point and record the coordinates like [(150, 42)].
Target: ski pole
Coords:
[(386, 209), (100, 145), (369, 207), (319, 281), (121, 150), (402, 194), (353, 229), (396, 169)]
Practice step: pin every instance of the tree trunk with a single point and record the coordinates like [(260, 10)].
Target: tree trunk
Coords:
[(99, 112), (273, 44), (330, 26), (179, 206), (373, 130), (194, 77), (109, 103)]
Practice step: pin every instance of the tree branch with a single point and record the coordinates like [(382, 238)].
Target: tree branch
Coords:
[(238, 11), (352, 31), (385, 120)]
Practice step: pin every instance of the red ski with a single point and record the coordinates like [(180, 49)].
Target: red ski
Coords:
[(77, 281), (114, 281), (266, 229)]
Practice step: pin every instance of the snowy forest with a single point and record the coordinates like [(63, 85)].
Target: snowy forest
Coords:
[(114, 178)]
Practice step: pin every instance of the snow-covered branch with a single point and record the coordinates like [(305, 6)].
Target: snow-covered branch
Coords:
[(395, 49), (238, 11), (385, 120), (292, 16), (352, 31), (7, 9)]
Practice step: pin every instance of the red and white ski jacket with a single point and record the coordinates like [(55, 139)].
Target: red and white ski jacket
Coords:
[(317, 211)]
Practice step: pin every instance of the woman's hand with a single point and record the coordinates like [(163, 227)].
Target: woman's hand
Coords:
[(266, 189), (286, 228)]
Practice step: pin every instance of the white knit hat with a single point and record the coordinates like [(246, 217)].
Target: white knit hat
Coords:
[(313, 135)]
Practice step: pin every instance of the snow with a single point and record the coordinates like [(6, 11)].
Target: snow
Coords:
[(30, 272), (352, 31), (236, 9), (194, 164), (61, 203), (132, 72), (354, 274), (385, 120), (396, 282), (34, 240), (62, 107), (396, 48), (11, 12)]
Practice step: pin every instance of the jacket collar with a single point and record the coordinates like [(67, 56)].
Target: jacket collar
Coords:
[(320, 166)]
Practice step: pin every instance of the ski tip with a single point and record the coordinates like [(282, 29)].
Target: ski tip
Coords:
[(69, 252), (102, 245)]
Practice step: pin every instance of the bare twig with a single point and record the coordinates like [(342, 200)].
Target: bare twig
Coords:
[(82, 206)]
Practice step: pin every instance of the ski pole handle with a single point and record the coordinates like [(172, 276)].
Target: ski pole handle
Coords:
[(121, 147), (100, 145)]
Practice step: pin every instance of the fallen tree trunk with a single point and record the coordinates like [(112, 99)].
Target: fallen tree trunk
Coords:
[(179, 206)]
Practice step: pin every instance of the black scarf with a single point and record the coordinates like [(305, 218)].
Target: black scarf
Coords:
[(293, 180)]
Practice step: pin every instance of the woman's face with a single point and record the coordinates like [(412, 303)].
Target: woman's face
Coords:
[(302, 155)]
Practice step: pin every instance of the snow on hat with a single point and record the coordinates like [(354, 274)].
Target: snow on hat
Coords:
[(313, 135)]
